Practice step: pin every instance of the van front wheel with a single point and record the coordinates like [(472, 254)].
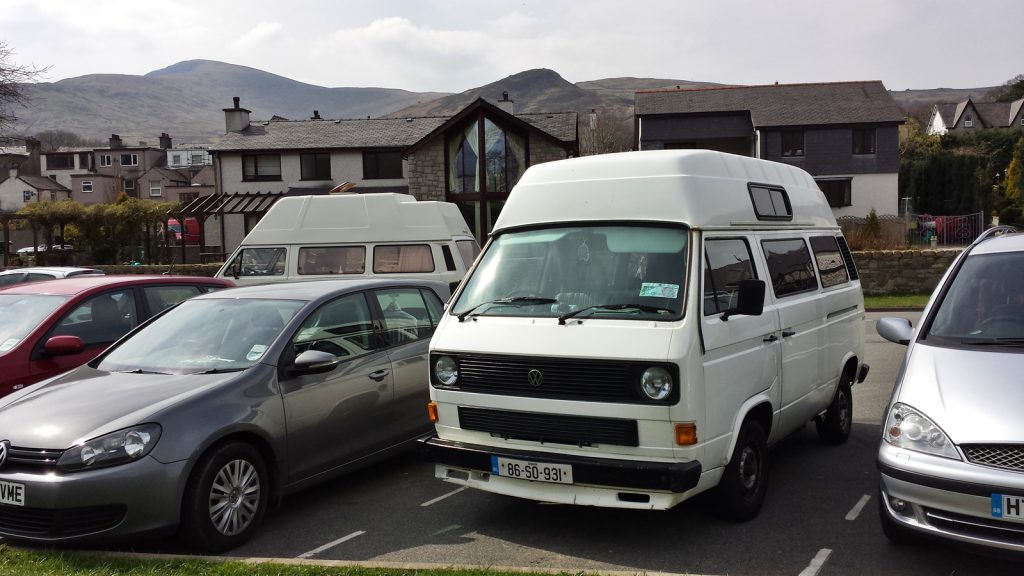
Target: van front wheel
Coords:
[(835, 424), (745, 480)]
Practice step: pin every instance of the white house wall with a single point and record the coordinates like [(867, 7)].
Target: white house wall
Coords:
[(345, 167), (878, 191)]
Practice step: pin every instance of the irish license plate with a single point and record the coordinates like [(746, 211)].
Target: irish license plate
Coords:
[(540, 471), (12, 493), (1007, 507)]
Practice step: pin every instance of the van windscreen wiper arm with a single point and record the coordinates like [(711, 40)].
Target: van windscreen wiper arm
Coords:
[(517, 300), (640, 307)]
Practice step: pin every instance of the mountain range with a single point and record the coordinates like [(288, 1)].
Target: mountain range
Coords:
[(186, 100)]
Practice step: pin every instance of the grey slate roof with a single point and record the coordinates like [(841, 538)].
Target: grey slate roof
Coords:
[(994, 114), (326, 134), (561, 125), (947, 110), (43, 183), (781, 104)]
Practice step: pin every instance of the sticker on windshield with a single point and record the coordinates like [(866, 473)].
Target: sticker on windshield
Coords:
[(8, 344), (659, 290), (255, 352)]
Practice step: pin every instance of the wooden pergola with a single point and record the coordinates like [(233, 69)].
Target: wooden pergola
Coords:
[(218, 206)]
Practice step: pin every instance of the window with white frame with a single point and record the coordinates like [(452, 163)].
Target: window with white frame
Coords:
[(969, 122), (129, 159), (27, 195), (176, 159), (154, 188), (129, 187), (106, 160), (87, 186)]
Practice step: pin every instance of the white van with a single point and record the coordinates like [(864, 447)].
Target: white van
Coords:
[(641, 327), (353, 236)]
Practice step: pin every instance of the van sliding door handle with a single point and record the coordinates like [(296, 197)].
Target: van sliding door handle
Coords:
[(787, 333), (379, 375), (771, 338)]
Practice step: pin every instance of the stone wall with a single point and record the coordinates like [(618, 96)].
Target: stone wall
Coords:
[(426, 172), (902, 271)]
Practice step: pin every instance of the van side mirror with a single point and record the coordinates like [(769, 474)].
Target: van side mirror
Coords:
[(749, 301)]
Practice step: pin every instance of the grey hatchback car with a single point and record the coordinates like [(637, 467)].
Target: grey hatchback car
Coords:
[(952, 450), (202, 416)]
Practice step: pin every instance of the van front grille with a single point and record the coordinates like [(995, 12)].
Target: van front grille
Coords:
[(550, 428)]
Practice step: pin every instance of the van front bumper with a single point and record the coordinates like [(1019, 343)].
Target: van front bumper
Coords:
[(674, 477)]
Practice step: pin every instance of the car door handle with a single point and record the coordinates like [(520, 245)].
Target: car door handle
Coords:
[(771, 338), (787, 333), (379, 374)]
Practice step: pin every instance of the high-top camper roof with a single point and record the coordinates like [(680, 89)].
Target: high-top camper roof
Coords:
[(699, 188), (374, 217)]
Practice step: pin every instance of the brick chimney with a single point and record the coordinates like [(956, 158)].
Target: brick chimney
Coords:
[(115, 142), (506, 104), (165, 141), (236, 119)]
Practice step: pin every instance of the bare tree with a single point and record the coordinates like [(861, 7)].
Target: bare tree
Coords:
[(52, 140), (606, 130), (12, 76)]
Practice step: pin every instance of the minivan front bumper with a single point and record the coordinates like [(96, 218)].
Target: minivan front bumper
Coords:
[(615, 474)]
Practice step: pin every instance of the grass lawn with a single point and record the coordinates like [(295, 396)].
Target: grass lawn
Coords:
[(31, 562), (914, 301)]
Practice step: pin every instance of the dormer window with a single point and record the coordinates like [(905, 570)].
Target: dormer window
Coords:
[(969, 121)]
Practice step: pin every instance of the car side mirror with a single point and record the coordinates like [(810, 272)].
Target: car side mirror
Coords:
[(749, 301), (898, 330), (63, 345), (314, 362)]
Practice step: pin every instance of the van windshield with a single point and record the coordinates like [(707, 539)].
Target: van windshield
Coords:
[(620, 272)]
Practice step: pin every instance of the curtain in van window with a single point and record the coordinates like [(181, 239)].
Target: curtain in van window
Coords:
[(395, 259)]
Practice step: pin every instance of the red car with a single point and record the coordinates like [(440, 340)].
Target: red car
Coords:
[(47, 328)]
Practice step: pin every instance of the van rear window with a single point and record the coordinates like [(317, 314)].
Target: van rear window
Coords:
[(831, 266), (789, 265)]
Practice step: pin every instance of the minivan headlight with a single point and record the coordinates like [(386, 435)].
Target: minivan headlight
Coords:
[(112, 449), (907, 428), (446, 370), (656, 383)]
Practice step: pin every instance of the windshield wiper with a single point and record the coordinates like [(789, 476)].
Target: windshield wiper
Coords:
[(640, 307), (219, 370), (516, 300), (1013, 342), (139, 371)]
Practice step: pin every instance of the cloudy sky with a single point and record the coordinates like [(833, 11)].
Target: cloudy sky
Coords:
[(454, 45)]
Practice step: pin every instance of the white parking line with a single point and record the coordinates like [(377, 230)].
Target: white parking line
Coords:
[(816, 563), (316, 551), (447, 529), (439, 498), (852, 514)]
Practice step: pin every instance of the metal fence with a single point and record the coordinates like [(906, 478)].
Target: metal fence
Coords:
[(910, 230)]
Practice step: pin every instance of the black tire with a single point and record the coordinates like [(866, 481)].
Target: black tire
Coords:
[(226, 498), (835, 424), (896, 533), (745, 480)]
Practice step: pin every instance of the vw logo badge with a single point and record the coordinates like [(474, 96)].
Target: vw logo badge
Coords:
[(536, 377), (4, 446)]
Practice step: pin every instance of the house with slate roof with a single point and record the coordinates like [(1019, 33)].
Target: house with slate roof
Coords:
[(473, 159), (966, 116), (17, 190), (845, 134)]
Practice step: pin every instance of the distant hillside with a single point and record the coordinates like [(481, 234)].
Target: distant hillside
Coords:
[(918, 103), (624, 88), (185, 100)]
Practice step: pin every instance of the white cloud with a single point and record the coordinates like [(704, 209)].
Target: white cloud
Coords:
[(260, 36)]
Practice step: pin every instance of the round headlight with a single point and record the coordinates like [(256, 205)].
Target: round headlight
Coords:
[(446, 370), (656, 383)]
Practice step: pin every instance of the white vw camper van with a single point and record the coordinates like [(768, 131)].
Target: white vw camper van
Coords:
[(354, 235), (641, 327)]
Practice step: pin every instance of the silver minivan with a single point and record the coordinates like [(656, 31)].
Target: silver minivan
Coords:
[(952, 451)]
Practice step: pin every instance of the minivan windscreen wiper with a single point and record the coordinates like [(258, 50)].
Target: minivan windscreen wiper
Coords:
[(640, 307), (1008, 342), (219, 371), (515, 301)]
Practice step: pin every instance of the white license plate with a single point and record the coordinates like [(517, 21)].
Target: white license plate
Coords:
[(1008, 507), (12, 493), (539, 471)]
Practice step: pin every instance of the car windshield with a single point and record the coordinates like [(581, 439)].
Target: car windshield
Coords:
[(21, 313), (204, 336), (620, 272), (984, 303)]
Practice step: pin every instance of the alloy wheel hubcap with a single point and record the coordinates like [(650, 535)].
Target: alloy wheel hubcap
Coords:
[(234, 497), (748, 468)]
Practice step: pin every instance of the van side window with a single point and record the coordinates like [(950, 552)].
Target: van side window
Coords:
[(449, 260), (332, 260), (770, 202), (831, 267), (726, 262), (789, 264), (259, 262), (469, 250), (402, 259)]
